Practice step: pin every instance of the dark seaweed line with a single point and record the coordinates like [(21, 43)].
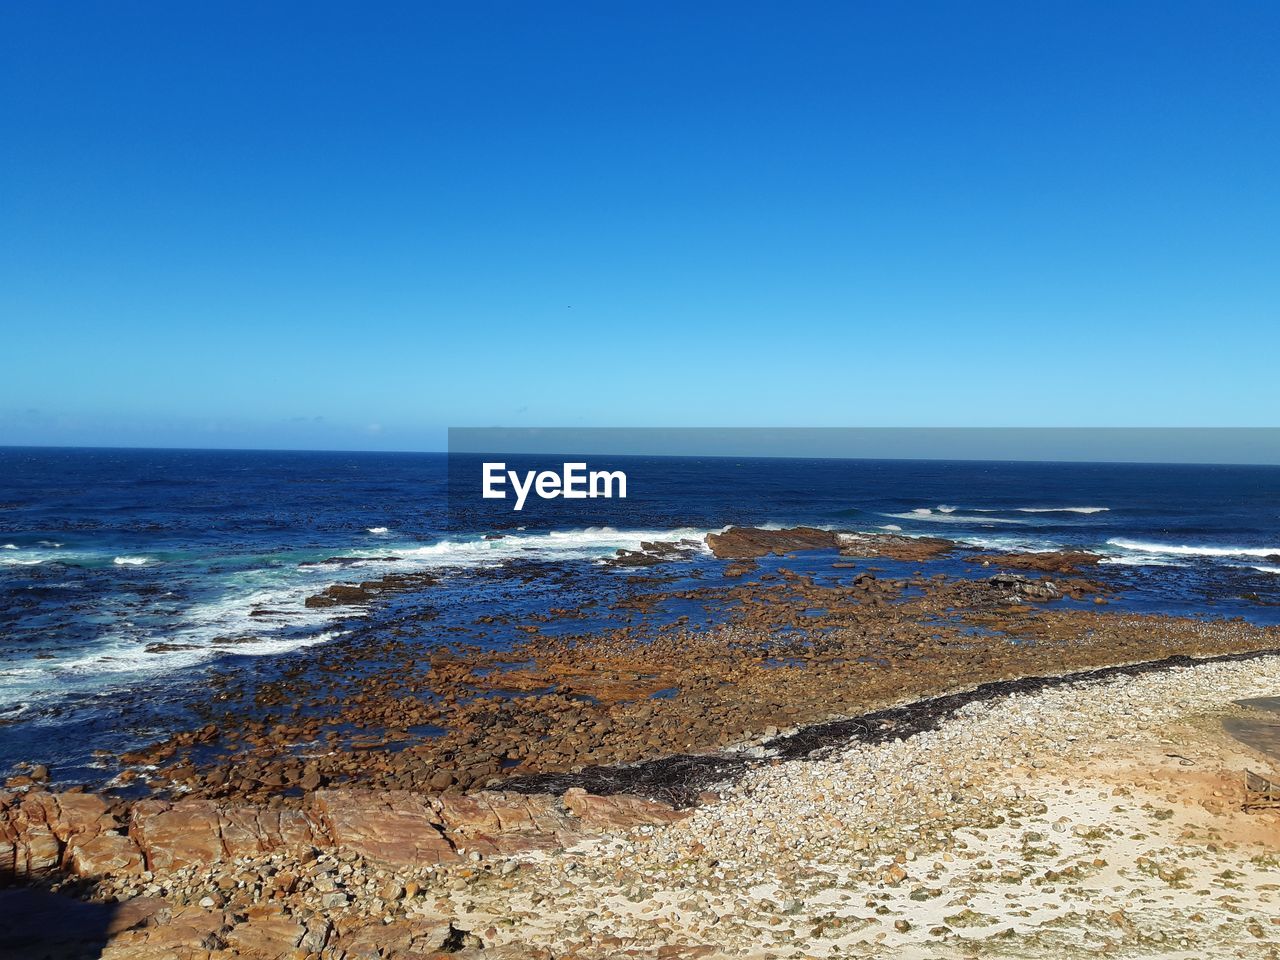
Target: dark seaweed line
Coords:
[(679, 779)]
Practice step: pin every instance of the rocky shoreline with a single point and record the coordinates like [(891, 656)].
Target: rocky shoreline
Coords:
[(834, 627), (847, 762), (682, 780), (1100, 815)]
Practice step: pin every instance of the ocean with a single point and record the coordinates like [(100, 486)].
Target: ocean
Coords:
[(128, 576)]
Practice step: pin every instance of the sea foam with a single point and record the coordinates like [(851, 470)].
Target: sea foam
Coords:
[(927, 515), (588, 543), (1063, 509), (1188, 550)]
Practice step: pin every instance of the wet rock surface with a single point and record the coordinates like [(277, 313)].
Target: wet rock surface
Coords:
[(745, 543), (893, 546), (346, 594), (653, 553), (786, 649), (1055, 561)]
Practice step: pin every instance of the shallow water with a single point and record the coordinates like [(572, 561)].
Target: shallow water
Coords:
[(127, 576)]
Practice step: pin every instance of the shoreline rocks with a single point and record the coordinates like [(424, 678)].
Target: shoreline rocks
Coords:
[(43, 834), (1029, 826)]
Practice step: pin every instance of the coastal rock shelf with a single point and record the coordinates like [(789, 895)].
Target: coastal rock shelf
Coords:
[(840, 626), (43, 834)]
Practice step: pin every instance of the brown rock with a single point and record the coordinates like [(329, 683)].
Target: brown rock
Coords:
[(38, 855), (184, 834), (137, 912), (77, 814), (894, 546), (249, 831), (410, 939), (745, 543), (265, 936), (311, 778), (188, 931), (106, 854), (1057, 561), (502, 823), (618, 812), (394, 826)]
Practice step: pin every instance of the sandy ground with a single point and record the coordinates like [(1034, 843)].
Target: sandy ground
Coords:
[(1095, 819)]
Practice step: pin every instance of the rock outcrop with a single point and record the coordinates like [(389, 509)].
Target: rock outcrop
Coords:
[(1014, 586), (747, 543), (1054, 561), (42, 833), (894, 546)]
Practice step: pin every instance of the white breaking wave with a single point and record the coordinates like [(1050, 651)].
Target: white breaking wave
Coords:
[(1041, 509), (943, 508), (1187, 550), (379, 530), (890, 526), (591, 543), (1063, 509), (9, 546), (928, 516), (1265, 569), (1022, 544), (261, 614), (1141, 560), (231, 625), (32, 557), (258, 605), (127, 656)]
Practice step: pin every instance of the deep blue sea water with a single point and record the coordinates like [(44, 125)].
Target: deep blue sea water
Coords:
[(104, 553)]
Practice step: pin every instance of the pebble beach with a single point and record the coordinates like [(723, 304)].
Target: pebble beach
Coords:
[(1094, 819)]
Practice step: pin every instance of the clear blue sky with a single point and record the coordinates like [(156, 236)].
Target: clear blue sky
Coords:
[(322, 225)]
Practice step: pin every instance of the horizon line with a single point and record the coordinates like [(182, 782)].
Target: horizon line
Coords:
[(670, 456)]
